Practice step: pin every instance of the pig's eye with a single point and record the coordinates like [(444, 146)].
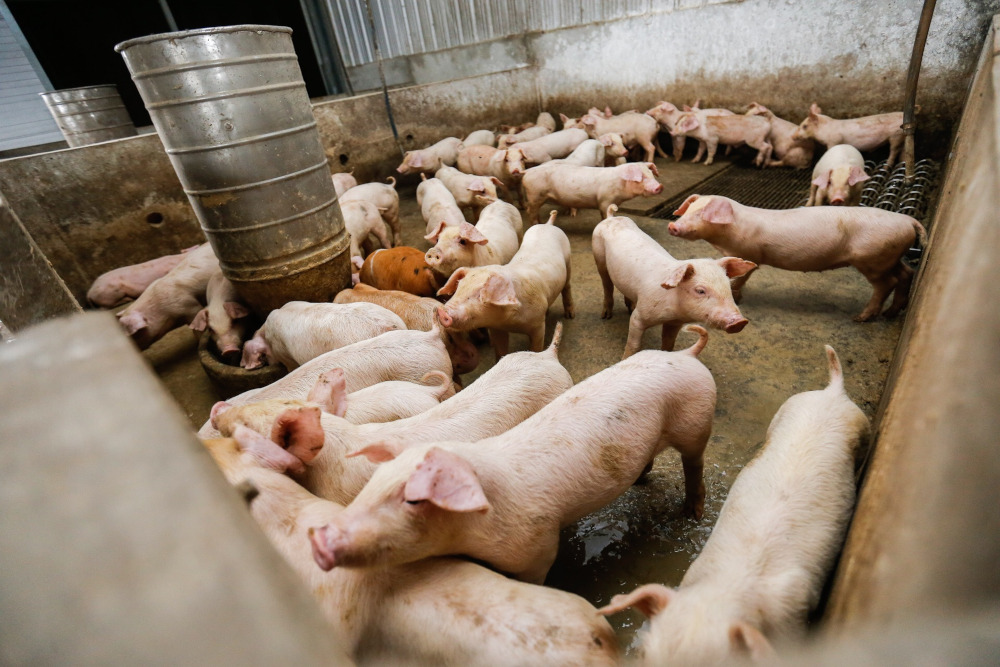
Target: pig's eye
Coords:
[(700, 291), (462, 242), (413, 502)]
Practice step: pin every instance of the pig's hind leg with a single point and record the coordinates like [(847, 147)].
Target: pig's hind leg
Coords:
[(882, 285), (567, 297), (602, 270), (901, 296)]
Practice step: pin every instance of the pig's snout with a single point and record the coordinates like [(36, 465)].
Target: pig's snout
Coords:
[(837, 201), (657, 189), (432, 257), (674, 229), (323, 553), (736, 325), (446, 319), (230, 353)]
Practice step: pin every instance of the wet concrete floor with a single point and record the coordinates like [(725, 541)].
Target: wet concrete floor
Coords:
[(641, 537)]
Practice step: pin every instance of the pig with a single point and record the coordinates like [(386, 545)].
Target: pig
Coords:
[(221, 317), (501, 398), (866, 133), (362, 218), (546, 120), (472, 193), (606, 112), (588, 187), (432, 158), (129, 282), (791, 152), (837, 177), (343, 182), (777, 537), (300, 331), (810, 239), (635, 129), (615, 151), (480, 138), (666, 114), (549, 147), (396, 399), (385, 198), (172, 300), (442, 611), (419, 314), (493, 240), (489, 161), (502, 500), (514, 129), (516, 296), (659, 289), (437, 204), (733, 130), (403, 268), (589, 153), (533, 132)]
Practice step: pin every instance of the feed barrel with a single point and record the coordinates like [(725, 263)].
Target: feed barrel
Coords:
[(90, 114), (231, 109)]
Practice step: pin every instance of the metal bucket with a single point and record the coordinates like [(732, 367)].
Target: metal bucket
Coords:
[(90, 114), (232, 111)]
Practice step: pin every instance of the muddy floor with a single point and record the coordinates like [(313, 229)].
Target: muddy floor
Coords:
[(641, 537)]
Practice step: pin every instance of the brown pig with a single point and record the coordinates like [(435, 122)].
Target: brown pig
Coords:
[(403, 268), (659, 289), (810, 239), (503, 500), (732, 130), (791, 152), (866, 133), (516, 296), (432, 158), (587, 187)]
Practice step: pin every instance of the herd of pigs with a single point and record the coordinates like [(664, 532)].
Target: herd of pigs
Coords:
[(424, 517)]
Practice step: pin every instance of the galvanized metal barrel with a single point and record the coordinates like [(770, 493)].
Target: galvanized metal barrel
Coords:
[(90, 114), (233, 114)]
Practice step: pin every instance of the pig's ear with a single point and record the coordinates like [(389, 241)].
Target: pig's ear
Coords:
[(589, 119), (823, 180), (476, 186), (379, 452), (563, 117), (471, 234), (448, 481), (133, 322), (416, 160), (267, 453), (452, 284), (496, 181), (857, 176), (748, 640), (499, 156), (632, 172), (607, 112), (688, 123), (814, 110), (684, 207), (652, 168), (677, 275), (605, 140), (200, 321), (667, 106), (650, 599), (330, 392), (235, 309), (736, 267), (433, 236), (499, 291), (300, 431), (718, 212), (687, 108), (217, 410)]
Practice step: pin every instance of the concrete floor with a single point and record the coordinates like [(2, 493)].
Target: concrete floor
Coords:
[(641, 538)]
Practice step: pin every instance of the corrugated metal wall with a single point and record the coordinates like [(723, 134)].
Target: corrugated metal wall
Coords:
[(407, 27), (24, 119)]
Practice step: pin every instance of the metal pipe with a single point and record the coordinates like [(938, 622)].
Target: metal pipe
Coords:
[(909, 105), (381, 75)]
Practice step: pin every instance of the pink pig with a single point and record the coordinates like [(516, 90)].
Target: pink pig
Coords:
[(437, 204), (385, 198), (503, 500), (472, 193), (343, 182), (588, 187), (666, 114), (432, 158), (129, 282), (791, 152), (810, 239), (533, 132), (635, 128), (866, 133), (732, 130), (221, 315), (838, 176), (552, 146), (659, 289), (489, 161), (361, 218), (493, 240)]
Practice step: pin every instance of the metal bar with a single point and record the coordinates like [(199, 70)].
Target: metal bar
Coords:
[(168, 15), (909, 106), (381, 76)]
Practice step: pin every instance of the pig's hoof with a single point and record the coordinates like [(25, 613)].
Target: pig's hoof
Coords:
[(695, 510), (864, 317), (606, 314), (568, 313)]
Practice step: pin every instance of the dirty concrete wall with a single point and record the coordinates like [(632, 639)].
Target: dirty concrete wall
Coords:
[(926, 535), (95, 208)]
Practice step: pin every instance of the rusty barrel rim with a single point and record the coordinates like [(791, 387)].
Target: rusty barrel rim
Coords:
[(249, 27)]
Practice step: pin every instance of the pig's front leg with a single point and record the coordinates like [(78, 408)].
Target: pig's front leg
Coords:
[(895, 146), (694, 485), (713, 145), (701, 151), (636, 327), (669, 336), (500, 340), (678, 145), (648, 147), (536, 337), (812, 195), (546, 549), (736, 284)]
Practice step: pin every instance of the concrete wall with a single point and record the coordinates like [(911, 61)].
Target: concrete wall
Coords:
[(926, 535)]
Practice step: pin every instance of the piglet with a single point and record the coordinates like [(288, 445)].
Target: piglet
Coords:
[(362, 218), (493, 240), (516, 296), (659, 289), (838, 176), (397, 399), (866, 133), (437, 204), (472, 193), (172, 300), (418, 313), (588, 187), (733, 130), (791, 152), (224, 317), (129, 282), (667, 115), (545, 119), (503, 500), (343, 182), (385, 198), (403, 268), (533, 132), (480, 138), (552, 146), (441, 611), (489, 161), (300, 331), (634, 128), (810, 239), (432, 158), (778, 534)]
